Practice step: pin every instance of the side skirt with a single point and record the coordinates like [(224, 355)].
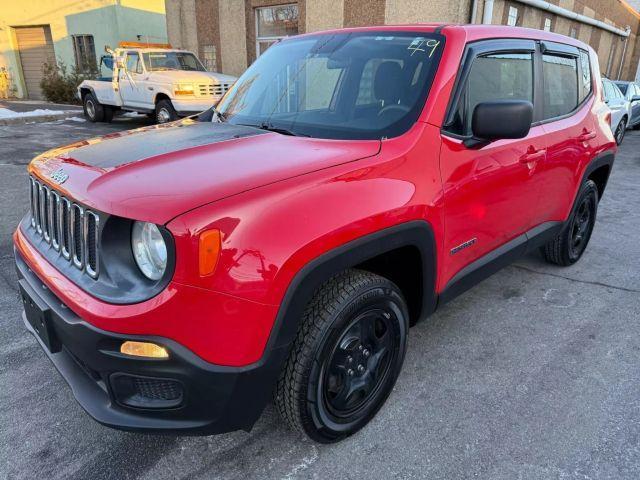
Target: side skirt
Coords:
[(497, 259)]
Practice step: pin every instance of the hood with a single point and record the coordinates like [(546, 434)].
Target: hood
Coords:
[(156, 173), (188, 76)]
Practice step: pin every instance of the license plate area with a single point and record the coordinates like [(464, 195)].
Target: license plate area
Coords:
[(38, 315)]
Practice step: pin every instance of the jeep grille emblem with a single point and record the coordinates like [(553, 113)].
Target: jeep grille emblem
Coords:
[(59, 176)]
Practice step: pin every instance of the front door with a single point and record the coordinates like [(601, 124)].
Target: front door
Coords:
[(488, 192), (131, 81)]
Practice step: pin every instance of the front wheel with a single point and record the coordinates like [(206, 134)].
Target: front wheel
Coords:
[(165, 112), (620, 130), (569, 245), (346, 357)]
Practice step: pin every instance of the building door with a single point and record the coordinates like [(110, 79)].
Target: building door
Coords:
[(35, 46)]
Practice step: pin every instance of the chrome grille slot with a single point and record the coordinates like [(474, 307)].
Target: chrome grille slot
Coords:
[(91, 225), (77, 228), (68, 228), (54, 219), (65, 228)]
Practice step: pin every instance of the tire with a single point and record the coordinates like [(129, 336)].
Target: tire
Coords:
[(165, 112), (93, 110), (620, 130), (569, 245), (346, 357)]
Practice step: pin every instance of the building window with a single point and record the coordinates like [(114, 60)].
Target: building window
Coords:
[(273, 24), (547, 24), (512, 19), (210, 59), (84, 51)]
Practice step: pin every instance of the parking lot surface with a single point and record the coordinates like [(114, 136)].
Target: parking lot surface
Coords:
[(534, 373)]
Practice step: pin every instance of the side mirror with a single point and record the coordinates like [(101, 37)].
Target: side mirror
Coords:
[(635, 98), (500, 119)]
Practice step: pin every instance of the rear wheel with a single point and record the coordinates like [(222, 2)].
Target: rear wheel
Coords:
[(346, 358), (567, 248), (165, 112), (93, 110), (620, 130)]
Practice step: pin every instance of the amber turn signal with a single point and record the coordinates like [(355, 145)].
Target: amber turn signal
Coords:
[(143, 349), (210, 246)]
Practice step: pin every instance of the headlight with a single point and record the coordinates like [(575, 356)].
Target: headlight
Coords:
[(184, 89), (149, 250)]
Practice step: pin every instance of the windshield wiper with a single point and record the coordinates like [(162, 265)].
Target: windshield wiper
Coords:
[(222, 117), (271, 128)]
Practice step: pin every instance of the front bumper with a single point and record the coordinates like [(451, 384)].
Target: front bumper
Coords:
[(192, 106), (213, 399)]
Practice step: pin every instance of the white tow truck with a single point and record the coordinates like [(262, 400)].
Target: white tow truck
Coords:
[(155, 79)]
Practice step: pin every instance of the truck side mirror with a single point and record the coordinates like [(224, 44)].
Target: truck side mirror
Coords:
[(500, 119)]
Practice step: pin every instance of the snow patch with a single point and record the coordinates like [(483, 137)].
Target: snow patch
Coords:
[(6, 113)]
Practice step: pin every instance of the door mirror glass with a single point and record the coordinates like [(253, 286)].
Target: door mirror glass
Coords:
[(501, 119)]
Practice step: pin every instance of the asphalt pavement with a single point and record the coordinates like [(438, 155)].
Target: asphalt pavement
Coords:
[(533, 374)]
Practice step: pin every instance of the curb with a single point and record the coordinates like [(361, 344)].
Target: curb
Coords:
[(39, 118)]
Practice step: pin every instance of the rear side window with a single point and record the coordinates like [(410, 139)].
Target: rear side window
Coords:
[(498, 76), (560, 85), (585, 70)]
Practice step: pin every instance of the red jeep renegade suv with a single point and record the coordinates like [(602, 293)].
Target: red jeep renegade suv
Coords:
[(282, 243)]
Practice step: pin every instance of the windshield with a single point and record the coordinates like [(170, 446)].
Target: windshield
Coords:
[(157, 61), (622, 87), (358, 85)]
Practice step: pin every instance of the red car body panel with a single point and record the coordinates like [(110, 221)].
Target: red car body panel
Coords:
[(282, 202)]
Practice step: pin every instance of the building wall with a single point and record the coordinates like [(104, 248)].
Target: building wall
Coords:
[(109, 21), (234, 31)]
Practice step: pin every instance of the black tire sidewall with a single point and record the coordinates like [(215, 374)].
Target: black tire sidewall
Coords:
[(97, 108), (168, 106), (321, 426), (622, 128), (589, 188)]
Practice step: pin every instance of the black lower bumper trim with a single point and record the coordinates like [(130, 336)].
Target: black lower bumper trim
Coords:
[(214, 399)]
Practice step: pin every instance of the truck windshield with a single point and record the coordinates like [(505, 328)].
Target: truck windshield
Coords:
[(156, 61), (350, 85)]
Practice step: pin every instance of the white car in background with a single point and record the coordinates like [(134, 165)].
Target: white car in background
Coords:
[(620, 109), (631, 92), (163, 82)]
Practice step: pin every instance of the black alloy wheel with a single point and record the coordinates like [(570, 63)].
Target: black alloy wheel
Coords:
[(346, 357), (569, 245), (620, 131)]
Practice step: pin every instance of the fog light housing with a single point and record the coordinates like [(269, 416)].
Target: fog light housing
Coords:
[(146, 392), (143, 349)]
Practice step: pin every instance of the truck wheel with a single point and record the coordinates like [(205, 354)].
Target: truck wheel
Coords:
[(93, 110), (569, 245), (165, 112), (346, 357)]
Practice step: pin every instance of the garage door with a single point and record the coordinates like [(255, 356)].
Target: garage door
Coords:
[(36, 48)]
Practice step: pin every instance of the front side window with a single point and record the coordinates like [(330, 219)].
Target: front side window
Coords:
[(273, 24), (133, 63), (498, 76), (623, 87), (364, 85), (560, 75), (84, 51), (159, 61)]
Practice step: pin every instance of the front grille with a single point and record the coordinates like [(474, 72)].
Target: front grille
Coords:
[(65, 226), (214, 89)]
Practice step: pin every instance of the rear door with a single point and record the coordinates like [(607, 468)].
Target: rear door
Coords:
[(488, 192), (567, 98), (635, 104)]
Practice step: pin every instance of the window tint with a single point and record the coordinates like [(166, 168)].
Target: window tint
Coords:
[(560, 85), (623, 87), (133, 63), (585, 84), (499, 76)]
